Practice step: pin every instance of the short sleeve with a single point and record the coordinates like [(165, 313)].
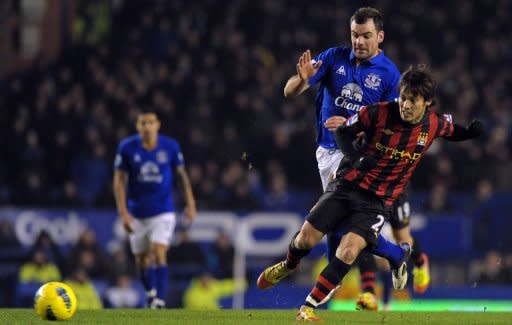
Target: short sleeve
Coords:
[(177, 155), (121, 161)]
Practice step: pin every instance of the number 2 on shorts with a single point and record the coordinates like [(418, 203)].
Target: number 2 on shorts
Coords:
[(376, 226)]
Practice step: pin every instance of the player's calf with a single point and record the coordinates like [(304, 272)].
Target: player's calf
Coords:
[(399, 273)]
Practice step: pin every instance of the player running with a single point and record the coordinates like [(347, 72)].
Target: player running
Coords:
[(143, 179)]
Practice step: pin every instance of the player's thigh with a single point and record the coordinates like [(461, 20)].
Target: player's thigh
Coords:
[(162, 228), (328, 213), (367, 224), (368, 215), (139, 242)]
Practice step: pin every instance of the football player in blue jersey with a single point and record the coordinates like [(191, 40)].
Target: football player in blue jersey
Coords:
[(144, 169), (350, 78)]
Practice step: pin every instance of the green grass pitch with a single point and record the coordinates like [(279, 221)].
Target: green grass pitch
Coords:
[(248, 316)]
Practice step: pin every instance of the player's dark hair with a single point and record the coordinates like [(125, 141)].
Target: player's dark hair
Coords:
[(149, 110), (363, 14), (418, 81)]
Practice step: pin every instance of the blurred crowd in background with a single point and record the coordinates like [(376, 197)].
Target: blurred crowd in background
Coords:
[(216, 73), (215, 70), (200, 275)]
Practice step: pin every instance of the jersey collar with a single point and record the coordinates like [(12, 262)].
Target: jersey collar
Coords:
[(373, 61)]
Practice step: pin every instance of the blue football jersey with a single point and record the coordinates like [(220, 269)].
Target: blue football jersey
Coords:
[(344, 88), (150, 174)]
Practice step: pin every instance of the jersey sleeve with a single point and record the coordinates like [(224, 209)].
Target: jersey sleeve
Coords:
[(446, 125), (326, 58), (177, 155), (121, 159), (391, 91)]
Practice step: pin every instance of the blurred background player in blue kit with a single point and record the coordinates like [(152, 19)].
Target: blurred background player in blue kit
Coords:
[(350, 78), (143, 181)]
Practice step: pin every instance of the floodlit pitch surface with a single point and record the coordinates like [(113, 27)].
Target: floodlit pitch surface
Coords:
[(248, 316)]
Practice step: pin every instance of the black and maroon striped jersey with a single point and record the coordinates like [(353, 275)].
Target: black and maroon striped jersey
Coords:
[(396, 146)]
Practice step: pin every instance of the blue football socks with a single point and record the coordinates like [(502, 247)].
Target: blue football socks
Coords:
[(148, 278), (391, 251), (162, 282)]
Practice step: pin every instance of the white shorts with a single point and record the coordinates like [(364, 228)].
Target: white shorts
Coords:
[(158, 229), (328, 161)]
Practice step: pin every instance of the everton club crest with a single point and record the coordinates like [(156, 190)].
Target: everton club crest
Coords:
[(372, 81)]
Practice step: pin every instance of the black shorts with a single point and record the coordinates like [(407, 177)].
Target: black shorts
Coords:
[(400, 213), (346, 207)]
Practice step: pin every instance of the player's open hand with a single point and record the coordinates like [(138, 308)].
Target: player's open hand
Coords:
[(127, 220), (333, 122), (307, 68)]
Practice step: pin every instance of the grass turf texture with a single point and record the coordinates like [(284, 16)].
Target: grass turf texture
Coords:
[(426, 305), (267, 317)]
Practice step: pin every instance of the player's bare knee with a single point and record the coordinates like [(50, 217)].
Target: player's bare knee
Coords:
[(159, 253), (347, 254), (304, 240), (143, 260)]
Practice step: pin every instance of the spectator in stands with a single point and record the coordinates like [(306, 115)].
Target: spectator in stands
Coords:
[(223, 257), (185, 252), (120, 262), (91, 173), (88, 262), (507, 264), (86, 294), (492, 271), (11, 257), (39, 269), (87, 254), (205, 292), (45, 243), (278, 196), (123, 294), (439, 199), (8, 237)]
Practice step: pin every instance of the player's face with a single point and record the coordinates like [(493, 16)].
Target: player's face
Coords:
[(148, 126), (412, 108), (365, 39)]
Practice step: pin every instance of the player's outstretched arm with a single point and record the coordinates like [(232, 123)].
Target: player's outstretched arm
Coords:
[(298, 83), (190, 209), (472, 130)]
